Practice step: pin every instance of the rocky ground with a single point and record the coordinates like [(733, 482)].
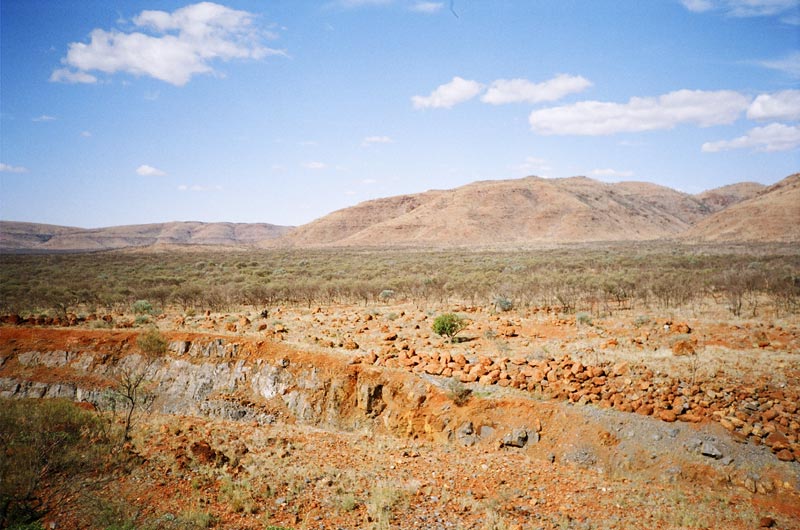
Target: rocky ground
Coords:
[(352, 417)]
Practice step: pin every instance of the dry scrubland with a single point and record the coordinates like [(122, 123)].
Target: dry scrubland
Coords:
[(595, 387)]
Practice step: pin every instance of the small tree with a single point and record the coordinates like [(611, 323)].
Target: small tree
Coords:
[(130, 379), (449, 325)]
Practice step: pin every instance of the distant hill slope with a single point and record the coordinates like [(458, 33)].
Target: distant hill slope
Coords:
[(16, 236), (772, 215), (527, 210), (530, 210), (720, 198)]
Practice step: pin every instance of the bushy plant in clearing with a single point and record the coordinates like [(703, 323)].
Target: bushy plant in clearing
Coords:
[(142, 307), (503, 303), (152, 342), (448, 325)]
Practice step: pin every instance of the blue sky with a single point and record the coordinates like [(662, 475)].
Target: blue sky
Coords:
[(281, 111)]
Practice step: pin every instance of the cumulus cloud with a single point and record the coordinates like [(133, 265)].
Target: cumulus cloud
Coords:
[(149, 171), (532, 165), (521, 90), (178, 45), (314, 165), (371, 140), (610, 173), (789, 64), (186, 187), (457, 91), (5, 168), (361, 3), (43, 117), (783, 105), (595, 118), (742, 8), (65, 75), (698, 6), (770, 138), (86, 134), (427, 7)]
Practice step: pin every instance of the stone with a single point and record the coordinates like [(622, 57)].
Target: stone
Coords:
[(785, 455), (465, 434), (516, 438), (350, 344), (683, 347), (667, 415), (777, 441), (710, 450), (766, 522)]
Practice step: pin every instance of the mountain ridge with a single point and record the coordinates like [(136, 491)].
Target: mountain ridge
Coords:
[(529, 210)]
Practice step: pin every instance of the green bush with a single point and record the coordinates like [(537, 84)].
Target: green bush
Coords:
[(142, 307), (152, 342), (448, 325)]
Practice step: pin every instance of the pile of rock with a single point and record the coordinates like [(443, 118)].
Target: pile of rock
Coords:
[(763, 414)]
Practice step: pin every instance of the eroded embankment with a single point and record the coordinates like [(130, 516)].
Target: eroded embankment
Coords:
[(262, 382)]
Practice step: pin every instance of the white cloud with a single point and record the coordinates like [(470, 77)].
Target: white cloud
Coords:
[(43, 117), (742, 8), (770, 138), (362, 3), (65, 75), (698, 6), (184, 43), (315, 165), (532, 165), (594, 118), (610, 173), (427, 7), (783, 105), (149, 171), (445, 96), (368, 181), (521, 90), (185, 187), (371, 140), (5, 168), (86, 134), (789, 64)]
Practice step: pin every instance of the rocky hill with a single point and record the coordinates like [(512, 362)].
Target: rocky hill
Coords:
[(772, 215), (16, 236), (529, 210), (720, 198)]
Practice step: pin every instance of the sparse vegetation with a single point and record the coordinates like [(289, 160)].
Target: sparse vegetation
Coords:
[(39, 441), (625, 278), (449, 325), (458, 392)]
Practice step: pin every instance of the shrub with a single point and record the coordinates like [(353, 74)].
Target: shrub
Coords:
[(142, 307), (583, 318), (503, 303), (448, 325), (152, 342), (386, 294), (457, 392), (41, 441)]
